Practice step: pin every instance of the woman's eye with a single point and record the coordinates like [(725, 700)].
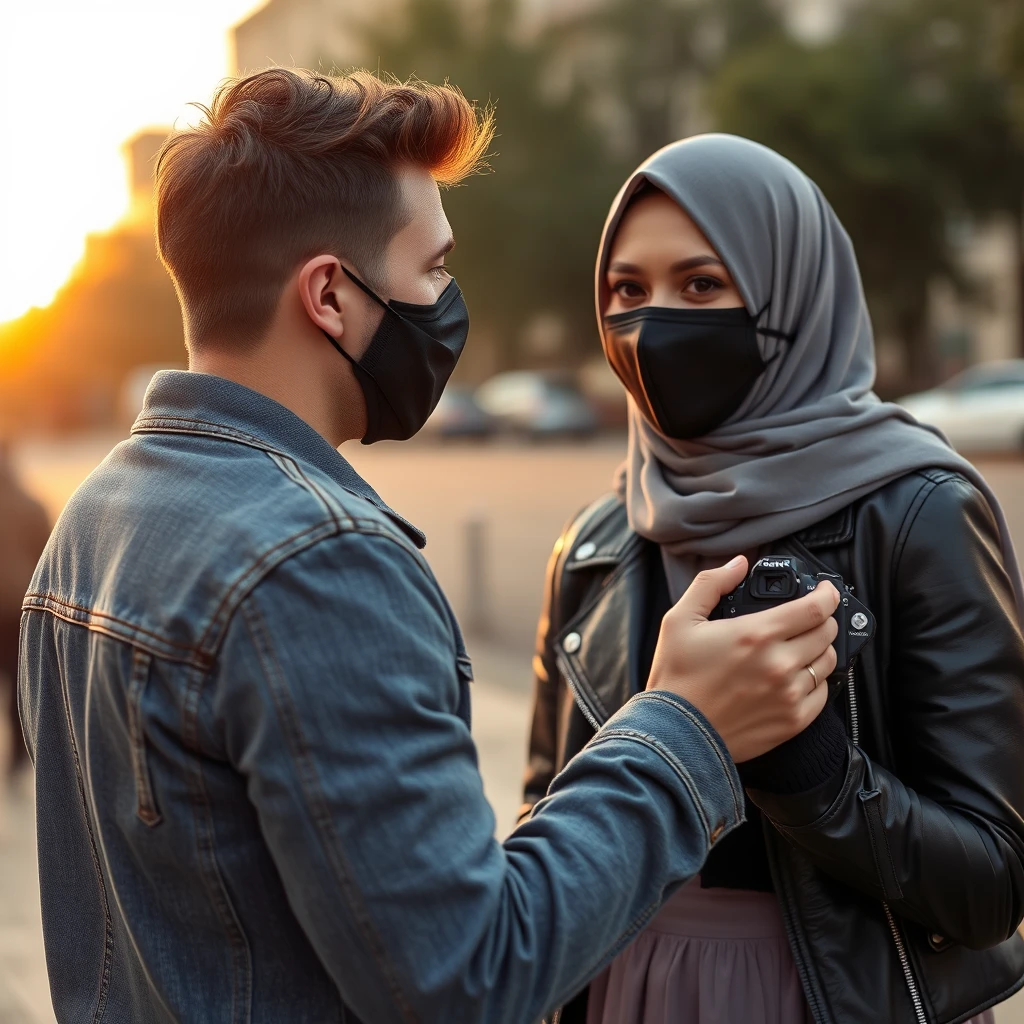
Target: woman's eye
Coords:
[(628, 290), (703, 285), (440, 272)]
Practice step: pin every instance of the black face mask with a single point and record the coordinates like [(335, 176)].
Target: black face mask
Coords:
[(687, 369), (408, 362)]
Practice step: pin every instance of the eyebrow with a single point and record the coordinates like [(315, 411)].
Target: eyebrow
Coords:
[(678, 267), (443, 251)]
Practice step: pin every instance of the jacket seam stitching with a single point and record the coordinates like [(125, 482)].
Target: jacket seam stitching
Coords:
[(48, 599), (677, 766), (146, 808), (312, 536), (918, 502), (294, 471), (219, 431), (319, 811), (108, 932), (206, 855), (198, 661), (255, 572), (649, 695), (158, 425)]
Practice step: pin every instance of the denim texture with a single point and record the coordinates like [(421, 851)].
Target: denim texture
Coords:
[(247, 702)]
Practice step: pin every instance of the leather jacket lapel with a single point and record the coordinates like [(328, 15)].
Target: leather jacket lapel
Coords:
[(599, 648)]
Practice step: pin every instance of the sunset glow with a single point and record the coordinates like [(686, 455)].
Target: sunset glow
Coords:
[(76, 80)]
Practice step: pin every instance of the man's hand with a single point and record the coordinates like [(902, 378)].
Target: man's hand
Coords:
[(748, 676)]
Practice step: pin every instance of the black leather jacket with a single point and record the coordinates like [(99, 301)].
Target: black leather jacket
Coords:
[(902, 898)]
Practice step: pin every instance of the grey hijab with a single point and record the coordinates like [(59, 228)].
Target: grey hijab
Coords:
[(812, 436)]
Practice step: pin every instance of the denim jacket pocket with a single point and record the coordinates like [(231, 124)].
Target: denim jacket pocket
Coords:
[(145, 806)]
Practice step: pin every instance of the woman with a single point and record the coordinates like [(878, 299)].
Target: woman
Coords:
[(880, 873)]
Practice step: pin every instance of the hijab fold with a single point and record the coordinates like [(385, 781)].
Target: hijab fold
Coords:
[(811, 437)]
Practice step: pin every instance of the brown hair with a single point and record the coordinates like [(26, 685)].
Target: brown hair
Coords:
[(288, 164)]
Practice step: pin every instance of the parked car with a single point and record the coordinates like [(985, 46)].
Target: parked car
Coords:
[(538, 405), (458, 416), (981, 409)]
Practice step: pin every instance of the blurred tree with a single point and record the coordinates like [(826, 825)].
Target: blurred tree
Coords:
[(904, 121), (1009, 22), (527, 234), (644, 64)]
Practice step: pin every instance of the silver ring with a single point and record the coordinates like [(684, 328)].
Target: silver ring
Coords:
[(814, 675)]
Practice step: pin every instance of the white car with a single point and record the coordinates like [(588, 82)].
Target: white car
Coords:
[(981, 409), (537, 404)]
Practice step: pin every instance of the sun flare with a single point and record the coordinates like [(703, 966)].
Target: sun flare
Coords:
[(76, 80)]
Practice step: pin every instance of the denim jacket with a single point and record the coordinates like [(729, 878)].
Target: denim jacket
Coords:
[(247, 702)]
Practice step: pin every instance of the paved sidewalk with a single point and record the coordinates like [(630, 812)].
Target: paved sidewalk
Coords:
[(24, 994)]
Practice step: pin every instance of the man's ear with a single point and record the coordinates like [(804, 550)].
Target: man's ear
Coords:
[(322, 289)]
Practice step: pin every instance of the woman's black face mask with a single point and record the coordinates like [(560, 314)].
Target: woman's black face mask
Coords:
[(688, 370), (410, 358)]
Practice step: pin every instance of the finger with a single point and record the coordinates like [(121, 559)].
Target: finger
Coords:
[(825, 664), (812, 704), (816, 672), (806, 647), (788, 620), (710, 586), (808, 678)]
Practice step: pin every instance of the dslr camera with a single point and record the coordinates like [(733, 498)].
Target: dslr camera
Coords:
[(776, 579)]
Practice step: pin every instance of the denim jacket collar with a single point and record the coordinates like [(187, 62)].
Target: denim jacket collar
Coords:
[(180, 401)]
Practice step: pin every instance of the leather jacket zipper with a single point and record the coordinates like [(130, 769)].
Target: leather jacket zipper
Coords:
[(897, 935), (577, 692)]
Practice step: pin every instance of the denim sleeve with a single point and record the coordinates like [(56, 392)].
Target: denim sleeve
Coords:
[(338, 692)]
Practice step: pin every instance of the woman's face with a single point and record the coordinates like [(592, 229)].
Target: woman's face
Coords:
[(659, 257)]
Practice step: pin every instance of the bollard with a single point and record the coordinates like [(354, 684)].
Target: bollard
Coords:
[(478, 616)]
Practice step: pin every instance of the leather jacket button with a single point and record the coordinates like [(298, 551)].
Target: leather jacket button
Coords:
[(585, 551), (936, 941), (572, 643)]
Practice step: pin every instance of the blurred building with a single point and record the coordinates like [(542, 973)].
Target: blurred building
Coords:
[(116, 311), (304, 33), (140, 153), (982, 326)]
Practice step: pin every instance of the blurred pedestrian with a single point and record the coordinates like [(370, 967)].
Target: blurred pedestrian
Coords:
[(248, 699), (24, 528), (880, 873)]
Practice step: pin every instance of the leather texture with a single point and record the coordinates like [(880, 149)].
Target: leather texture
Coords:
[(929, 821)]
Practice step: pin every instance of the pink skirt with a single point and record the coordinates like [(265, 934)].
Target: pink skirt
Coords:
[(710, 956)]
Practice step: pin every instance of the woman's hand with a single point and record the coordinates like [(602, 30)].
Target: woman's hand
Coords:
[(748, 676)]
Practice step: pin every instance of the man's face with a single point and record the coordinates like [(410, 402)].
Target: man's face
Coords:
[(415, 256), (414, 261)]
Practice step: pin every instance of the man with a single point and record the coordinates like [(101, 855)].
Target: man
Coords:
[(246, 697)]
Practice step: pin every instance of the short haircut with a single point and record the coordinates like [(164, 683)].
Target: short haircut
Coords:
[(286, 165)]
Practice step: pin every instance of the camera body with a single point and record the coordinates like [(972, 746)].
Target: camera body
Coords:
[(776, 579)]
